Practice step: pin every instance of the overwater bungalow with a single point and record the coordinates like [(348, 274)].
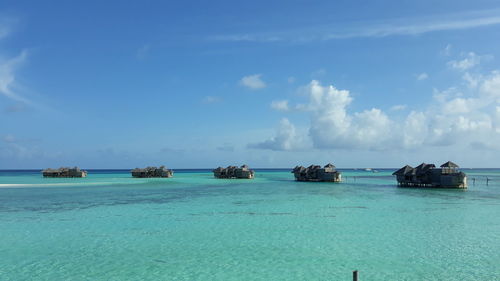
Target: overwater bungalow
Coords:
[(64, 172), (152, 172), (233, 172), (316, 173), (427, 175)]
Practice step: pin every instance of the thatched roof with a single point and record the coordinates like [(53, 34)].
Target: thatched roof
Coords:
[(330, 165), (422, 168), (406, 169), (449, 164), (298, 169)]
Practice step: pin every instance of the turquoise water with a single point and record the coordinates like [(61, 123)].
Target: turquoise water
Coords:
[(109, 226)]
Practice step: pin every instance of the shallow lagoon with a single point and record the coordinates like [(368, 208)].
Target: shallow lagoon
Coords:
[(110, 226)]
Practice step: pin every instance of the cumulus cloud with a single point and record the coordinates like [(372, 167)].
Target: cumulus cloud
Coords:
[(332, 126), (286, 138), (468, 62), (455, 117), (422, 76), (253, 82), (280, 105)]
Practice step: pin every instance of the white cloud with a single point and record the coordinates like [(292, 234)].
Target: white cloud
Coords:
[(453, 119), (291, 80), (8, 67), (456, 118), (456, 106), (380, 28), (422, 76), (415, 129), (7, 77), (253, 81), (286, 138), (10, 88), (398, 107), (490, 87), (331, 125), (280, 105), (472, 80), (468, 62)]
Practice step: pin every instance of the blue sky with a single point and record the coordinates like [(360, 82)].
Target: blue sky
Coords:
[(107, 84)]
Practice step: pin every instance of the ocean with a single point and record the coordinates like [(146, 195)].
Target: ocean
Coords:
[(110, 226)]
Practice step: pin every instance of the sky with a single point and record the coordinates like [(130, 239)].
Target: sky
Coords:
[(201, 84)]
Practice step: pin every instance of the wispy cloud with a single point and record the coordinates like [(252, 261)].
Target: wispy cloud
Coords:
[(422, 76), (398, 107), (253, 82), (447, 50), (280, 105), (9, 65), (471, 60), (10, 88), (382, 28), (211, 99), (7, 77)]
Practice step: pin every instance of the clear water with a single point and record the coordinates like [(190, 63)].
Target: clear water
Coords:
[(110, 226)]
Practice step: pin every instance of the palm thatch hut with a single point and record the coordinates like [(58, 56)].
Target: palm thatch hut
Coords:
[(427, 175), (316, 173), (64, 172), (152, 172), (233, 172)]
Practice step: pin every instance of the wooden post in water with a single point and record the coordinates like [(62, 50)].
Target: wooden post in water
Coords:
[(355, 275)]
